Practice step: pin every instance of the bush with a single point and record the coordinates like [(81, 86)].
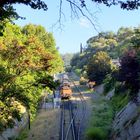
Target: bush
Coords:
[(109, 83), (78, 71), (120, 88), (96, 134), (83, 81)]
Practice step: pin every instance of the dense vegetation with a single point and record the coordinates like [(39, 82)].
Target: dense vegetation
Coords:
[(98, 67), (67, 59), (95, 62), (111, 59), (99, 126), (28, 60)]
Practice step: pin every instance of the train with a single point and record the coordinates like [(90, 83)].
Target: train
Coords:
[(65, 87)]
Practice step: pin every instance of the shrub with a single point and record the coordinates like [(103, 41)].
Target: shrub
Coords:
[(83, 81), (78, 71), (109, 83), (129, 72), (96, 134)]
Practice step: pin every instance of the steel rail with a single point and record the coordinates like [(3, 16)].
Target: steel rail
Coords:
[(62, 122), (74, 130), (71, 125), (83, 110)]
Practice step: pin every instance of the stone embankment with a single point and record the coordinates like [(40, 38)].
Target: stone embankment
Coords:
[(126, 125)]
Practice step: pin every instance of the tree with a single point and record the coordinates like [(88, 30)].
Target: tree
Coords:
[(48, 41), (129, 71), (75, 60), (26, 65), (135, 40), (67, 59), (7, 10), (124, 33), (98, 67), (104, 41)]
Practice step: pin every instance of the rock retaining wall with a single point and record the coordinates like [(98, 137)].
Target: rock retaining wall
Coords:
[(126, 125)]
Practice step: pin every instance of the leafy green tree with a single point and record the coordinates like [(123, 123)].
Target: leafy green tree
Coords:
[(98, 67), (135, 40), (124, 33), (26, 65), (7, 10), (75, 60), (48, 41), (104, 41)]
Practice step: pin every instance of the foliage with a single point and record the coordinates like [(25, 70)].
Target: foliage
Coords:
[(83, 81), (101, 120), (119, 101), (135, 40), (68, 69), (47, 81), (7, 10), (104, 41), (23, 135), (78, 71), (98, 67), (75, 60), (130, 70), (28, 58), (67, 59), (109, 83), (124, 45), (96, 133), (9, 110), (113, 44)]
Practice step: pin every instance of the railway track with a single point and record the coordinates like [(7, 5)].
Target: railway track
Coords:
[(71, 118), (68, 129), (83, 110)]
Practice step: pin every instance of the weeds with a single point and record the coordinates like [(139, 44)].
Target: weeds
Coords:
[(101, 120), (96, 133)]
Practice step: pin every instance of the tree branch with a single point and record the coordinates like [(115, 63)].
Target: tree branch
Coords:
[(83, 14)]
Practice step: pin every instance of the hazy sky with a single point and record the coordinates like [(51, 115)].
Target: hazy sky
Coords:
[(76, 31)]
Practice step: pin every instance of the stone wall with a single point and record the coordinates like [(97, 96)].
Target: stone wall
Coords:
[(126, 124)]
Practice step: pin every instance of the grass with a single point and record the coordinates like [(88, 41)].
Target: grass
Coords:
[(101, 120), (23, 135), (119, 101), (96, 133), (82, 88)]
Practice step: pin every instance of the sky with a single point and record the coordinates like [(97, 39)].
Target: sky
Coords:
[(75, 31)]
